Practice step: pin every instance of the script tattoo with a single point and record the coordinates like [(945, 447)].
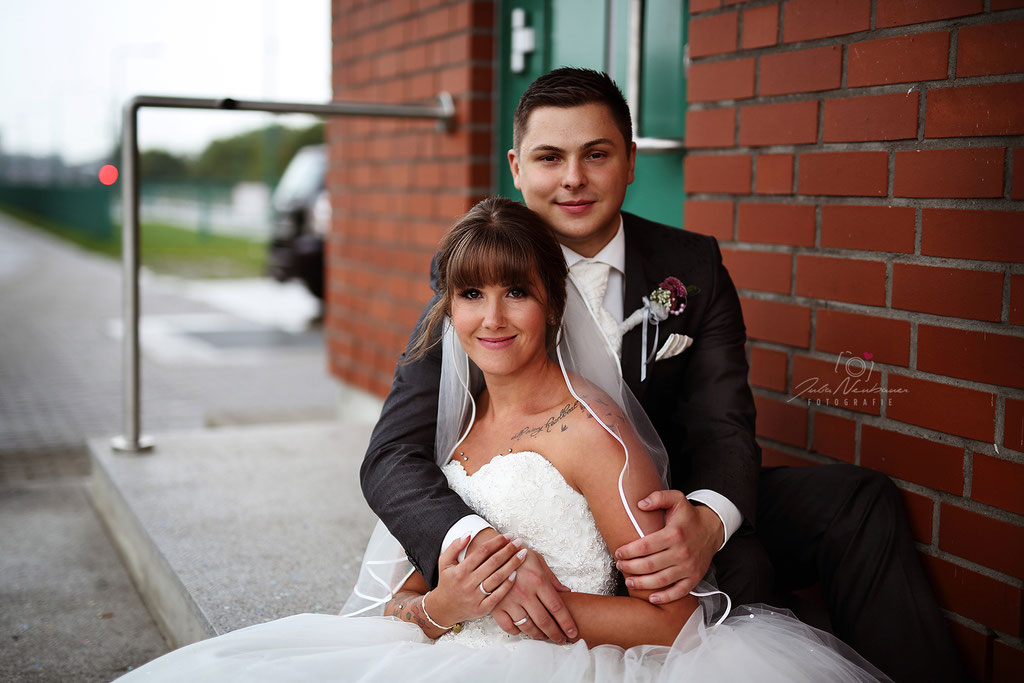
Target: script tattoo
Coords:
[(549, 424)]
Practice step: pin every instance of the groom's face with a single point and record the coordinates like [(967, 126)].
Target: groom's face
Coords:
[(573, 167)]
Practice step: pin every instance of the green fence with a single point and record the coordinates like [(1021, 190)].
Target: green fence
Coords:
[(82, 208)]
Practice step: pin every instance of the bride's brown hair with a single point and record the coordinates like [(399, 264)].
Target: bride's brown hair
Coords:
[(498, 241)]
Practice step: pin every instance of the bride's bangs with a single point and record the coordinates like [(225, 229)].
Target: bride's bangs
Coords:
[(493, 258)]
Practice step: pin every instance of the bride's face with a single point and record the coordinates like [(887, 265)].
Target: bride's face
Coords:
[(503, 329)]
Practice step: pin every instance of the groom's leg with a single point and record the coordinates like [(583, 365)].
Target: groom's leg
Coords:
[(845, 526), (744, 572)]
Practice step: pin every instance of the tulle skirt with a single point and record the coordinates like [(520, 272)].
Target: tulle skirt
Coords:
[(753, 644)]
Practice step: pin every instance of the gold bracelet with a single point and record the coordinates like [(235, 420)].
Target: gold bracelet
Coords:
[(455, 628)]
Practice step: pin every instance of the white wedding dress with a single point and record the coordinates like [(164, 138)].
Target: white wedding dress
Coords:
[(525, 494)]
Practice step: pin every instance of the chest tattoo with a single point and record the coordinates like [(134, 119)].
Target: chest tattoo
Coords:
[(550, 424)]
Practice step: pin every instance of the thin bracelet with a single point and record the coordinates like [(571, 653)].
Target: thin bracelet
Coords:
[(423, 606)]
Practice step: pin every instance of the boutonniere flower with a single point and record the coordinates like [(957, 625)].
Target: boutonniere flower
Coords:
[(669, 298)]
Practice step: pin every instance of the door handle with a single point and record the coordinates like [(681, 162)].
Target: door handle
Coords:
[(524, 40)]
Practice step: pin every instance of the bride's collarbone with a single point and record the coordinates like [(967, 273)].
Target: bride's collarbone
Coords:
[(549, 433)]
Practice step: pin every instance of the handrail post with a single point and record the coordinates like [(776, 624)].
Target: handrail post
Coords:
[(131, 441)]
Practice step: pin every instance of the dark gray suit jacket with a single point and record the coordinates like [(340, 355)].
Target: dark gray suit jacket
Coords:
[(699, 400)]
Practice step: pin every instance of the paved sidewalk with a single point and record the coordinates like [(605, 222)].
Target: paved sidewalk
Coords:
[(67, 608)]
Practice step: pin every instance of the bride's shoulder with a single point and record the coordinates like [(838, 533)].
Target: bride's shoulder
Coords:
[(596, 403), (594, 414)]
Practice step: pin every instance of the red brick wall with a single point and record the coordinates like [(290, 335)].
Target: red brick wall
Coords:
[(396, 186), (862, 163)]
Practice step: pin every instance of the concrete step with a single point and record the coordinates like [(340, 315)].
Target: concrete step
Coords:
[(221, 529)]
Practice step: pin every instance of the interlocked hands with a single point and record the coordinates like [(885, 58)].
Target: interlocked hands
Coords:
[(474, 587)]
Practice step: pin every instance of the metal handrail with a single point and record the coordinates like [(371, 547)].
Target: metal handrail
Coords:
[(132, 440)]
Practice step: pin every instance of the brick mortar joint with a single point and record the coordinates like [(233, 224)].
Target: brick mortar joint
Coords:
[(470, 30), (955, 203), (968, 473), (933, 319), (955, 382), (984, 629), (923, 86), (1000, 426), (977, 568), (415, 14), (857, 441), (1004, 314), (913, 373), (912, 360), (893, 425), (344, 69), (867, 35), (936, 523), (963, 503), (805, 453), (900, 145), (380, 81), (889, 267)]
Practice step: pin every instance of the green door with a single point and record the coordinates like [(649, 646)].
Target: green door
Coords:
[(598, 35)]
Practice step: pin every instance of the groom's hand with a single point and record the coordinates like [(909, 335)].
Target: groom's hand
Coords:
[(534, 595), (671, 561)]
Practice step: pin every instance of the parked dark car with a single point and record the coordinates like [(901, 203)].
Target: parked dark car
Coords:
[(302, 215)]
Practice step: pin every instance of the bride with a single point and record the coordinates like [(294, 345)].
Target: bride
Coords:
[(537, 433)]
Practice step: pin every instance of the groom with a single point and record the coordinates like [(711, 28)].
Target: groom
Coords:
[(764, 530)]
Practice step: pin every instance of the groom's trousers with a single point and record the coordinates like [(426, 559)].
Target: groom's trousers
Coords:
[(845, 528)]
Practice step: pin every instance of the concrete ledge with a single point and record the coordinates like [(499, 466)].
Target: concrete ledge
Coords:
[(179, 618), (222, 529)]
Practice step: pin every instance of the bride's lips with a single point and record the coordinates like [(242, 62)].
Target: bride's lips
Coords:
[(576, 206), (496, 343)]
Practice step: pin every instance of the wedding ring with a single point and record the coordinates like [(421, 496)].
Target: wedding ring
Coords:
[(481, 586), (522, 621)]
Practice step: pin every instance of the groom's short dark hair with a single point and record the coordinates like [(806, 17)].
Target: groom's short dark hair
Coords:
[(572, 87)]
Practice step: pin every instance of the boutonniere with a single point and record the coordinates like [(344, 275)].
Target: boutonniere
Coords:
[(669, 298)]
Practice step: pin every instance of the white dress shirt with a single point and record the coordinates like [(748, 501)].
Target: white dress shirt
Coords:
[(614, 254)]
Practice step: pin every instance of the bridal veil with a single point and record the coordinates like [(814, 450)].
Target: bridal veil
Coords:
[(591, 371)]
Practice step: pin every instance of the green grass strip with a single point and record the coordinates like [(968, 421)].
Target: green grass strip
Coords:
[(168, 249)]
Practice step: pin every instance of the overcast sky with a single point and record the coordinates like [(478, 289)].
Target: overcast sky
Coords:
[(67, 66)]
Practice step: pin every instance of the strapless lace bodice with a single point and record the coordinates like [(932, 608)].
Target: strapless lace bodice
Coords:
[(523, 493)]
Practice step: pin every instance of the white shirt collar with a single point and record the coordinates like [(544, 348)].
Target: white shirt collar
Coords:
[(613, 253)]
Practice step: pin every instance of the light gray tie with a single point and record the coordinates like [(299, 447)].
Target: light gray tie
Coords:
[(593, 279)]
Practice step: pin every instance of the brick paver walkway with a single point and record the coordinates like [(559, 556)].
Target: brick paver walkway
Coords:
[(67, 608)]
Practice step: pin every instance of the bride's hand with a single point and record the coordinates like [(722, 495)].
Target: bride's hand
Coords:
[(672, 560), (534, 606), (489, 567)]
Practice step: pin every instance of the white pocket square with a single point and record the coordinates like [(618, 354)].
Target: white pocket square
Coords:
[(673, 346)]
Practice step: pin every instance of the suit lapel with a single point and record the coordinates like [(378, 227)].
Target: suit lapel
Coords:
[(646, 267), (637, 287)]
